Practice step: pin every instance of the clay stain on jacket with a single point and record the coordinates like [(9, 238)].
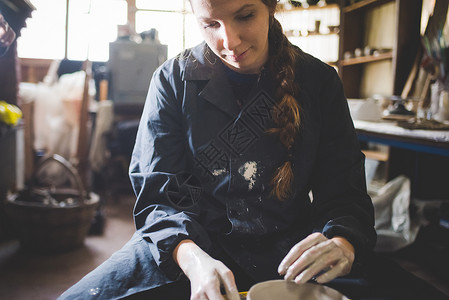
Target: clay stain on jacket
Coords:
[(249, 173)]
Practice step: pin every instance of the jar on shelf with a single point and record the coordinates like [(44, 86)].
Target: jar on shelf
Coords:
[(439, 101), (443, 108)]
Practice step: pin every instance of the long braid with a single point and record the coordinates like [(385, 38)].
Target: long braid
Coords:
[(286, 114)]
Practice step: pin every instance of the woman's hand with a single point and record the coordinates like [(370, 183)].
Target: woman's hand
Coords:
[(206, 275), (317, 257)]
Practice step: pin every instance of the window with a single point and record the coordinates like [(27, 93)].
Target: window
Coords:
[(91, 26), (167, 5), (42, 38), (172, 19)]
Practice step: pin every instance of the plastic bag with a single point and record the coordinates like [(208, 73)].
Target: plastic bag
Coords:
[(392, 218), (57, 113), (98, 156), (51, 131), (9, 114)]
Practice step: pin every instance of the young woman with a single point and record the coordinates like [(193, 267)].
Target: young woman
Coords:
[(236, 135)]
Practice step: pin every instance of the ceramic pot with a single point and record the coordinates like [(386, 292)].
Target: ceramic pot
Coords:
[(288, 290)]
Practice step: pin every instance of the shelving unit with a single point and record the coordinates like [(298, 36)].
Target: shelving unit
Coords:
[(300, 27), (312, 7), (293, 34), (378, 24), (395, 65)]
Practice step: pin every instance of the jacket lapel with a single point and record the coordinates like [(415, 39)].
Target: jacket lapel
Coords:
[(203, 64), (219, 92)]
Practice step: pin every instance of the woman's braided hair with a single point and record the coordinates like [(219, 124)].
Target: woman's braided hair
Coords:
[(286, 113)]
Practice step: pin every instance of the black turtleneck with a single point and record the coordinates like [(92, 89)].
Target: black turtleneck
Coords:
[(241, 84)]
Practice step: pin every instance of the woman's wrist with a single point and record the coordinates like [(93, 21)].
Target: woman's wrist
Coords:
[(186, 253), (182, 249)]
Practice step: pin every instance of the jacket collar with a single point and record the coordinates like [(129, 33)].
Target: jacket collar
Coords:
[(203, 64)]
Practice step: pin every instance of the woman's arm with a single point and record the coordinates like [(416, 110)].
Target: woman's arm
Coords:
[(341, 205), (159, 154), (342, 217)]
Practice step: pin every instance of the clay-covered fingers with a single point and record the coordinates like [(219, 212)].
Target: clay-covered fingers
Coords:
[(205, 273), (328, 265), (330, 274), (341, 267), (311, 262), (210, 284), (228, 282), (319, 258), (208, 289), (298, 250)]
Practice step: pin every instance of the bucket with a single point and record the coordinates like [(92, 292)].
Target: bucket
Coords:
[(52, 219)]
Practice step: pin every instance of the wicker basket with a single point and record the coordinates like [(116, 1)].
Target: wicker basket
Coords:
[(52, 226)]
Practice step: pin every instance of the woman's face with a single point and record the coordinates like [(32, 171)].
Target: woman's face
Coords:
[(236, 31)]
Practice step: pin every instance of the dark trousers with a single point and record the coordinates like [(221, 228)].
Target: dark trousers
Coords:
[(384, 279), (131, 273)]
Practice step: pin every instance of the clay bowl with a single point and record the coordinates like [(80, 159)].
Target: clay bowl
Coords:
[(288, 290)]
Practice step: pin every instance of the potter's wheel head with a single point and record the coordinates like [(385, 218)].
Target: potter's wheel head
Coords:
[(288, 290)]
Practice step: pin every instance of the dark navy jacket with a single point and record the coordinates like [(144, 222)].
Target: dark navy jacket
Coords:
[(201, 166)]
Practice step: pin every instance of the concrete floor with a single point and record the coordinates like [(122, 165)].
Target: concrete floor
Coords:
[(29, 276)]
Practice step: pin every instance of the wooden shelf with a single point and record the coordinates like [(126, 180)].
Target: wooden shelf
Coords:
[(289, 34), (365, 4), (311, 7), (367, 59)]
